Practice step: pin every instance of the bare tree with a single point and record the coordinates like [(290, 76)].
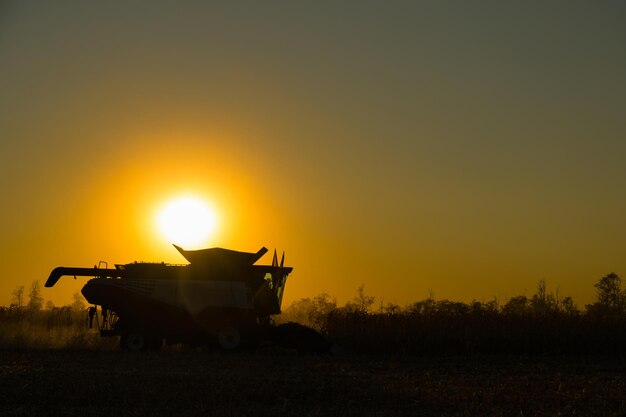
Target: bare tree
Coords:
[(311, 312), (35, 300), (610, 297), (518, 305), (610, 291), (543, 302), (18, 296), (78, 304), (569, 307), (362, 302)]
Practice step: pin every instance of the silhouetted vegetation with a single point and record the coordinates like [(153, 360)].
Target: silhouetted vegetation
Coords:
[(263, 383), (544, 323), (26, 324)]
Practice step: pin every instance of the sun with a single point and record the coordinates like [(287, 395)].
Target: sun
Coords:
[(187, 221)]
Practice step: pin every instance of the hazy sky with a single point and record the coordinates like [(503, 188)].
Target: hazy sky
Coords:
[(468, 148)]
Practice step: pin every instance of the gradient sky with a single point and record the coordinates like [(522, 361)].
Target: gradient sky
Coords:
[(468, 148)]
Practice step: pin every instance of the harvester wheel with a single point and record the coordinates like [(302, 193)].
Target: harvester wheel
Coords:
[(229, 338), (133, 342)]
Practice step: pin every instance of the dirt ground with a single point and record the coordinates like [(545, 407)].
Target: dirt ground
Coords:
[(281, 383)]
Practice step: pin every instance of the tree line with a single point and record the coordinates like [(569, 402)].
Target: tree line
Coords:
[(30, 322), (542, 323), (32, 301)]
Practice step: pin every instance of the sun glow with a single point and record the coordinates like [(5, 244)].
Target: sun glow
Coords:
[(187, 221)]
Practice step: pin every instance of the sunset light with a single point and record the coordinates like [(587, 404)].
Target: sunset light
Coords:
[(187, 221), (353, 207), (459, 149)]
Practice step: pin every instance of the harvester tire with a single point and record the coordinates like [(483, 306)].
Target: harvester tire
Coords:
[(133, 342), (229, 338)]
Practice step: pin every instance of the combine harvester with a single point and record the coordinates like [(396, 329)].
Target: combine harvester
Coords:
[(219, 297)]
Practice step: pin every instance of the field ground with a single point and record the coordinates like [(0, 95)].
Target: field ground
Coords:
[(280, 383)]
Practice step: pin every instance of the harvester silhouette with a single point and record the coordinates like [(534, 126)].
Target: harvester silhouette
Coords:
[(219, 297)]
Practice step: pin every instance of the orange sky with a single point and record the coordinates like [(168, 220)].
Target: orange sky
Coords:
[(470, 150)]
